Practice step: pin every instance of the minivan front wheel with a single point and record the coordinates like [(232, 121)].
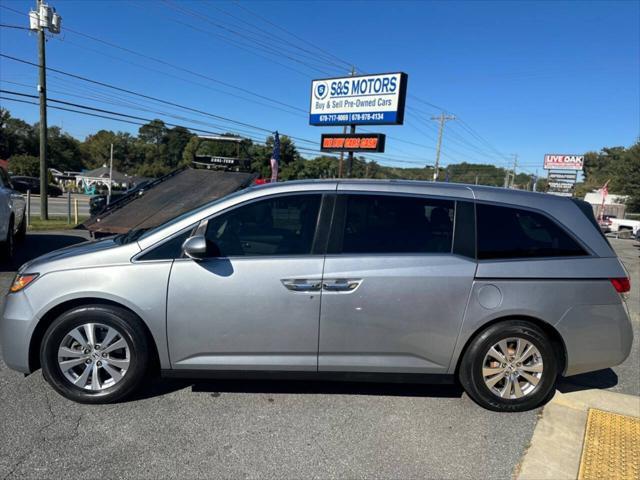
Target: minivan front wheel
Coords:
[(511, 366), (94, 354)]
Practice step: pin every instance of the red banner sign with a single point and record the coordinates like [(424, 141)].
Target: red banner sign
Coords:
[(352, 142)]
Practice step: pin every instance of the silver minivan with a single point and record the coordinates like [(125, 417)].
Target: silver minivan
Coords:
[(501, 290)]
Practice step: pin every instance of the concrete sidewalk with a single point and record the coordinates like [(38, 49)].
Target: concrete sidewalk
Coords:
[(557, 444)]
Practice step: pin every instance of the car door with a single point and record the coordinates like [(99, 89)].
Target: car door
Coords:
[(255, 303), (394, 291)]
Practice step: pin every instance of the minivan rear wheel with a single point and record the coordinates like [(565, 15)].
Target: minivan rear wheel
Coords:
[(95, 354), (511, 366)]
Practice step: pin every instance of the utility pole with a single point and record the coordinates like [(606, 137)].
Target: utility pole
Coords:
[(43, 18), (442, 118), (42, 88), (344, 130)]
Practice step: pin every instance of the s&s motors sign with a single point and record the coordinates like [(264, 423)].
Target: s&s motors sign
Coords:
[(359, 100), (563, 162)]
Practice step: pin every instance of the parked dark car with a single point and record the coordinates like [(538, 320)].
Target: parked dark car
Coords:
[(23, 184)]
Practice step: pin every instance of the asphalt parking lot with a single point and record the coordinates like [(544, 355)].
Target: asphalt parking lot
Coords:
[(251, 429)]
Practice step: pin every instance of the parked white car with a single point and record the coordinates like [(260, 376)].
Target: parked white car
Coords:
[(619, 224), (13, 223)]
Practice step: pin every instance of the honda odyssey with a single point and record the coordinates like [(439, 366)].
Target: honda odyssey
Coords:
[(501, 290)]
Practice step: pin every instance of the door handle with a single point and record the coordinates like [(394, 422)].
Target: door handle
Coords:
[(341, 285), (301, 285)]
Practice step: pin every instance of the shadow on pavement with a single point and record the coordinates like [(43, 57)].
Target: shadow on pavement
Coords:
[(35, 245), (161, 387), (606, 378)]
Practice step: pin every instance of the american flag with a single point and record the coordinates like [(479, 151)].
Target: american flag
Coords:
[(275, 157)]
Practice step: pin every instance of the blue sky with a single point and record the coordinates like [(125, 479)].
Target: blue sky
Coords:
[(522, 77)]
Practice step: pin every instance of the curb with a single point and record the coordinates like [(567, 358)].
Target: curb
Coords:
[(556, 446)]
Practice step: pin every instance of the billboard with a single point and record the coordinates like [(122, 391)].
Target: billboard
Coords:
[(563, 162), (359, 100), (352, 142)]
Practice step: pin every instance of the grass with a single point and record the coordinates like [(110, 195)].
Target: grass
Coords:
[(53, 223)]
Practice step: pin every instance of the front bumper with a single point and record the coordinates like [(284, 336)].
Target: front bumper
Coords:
[(17, 324), (596, 337)]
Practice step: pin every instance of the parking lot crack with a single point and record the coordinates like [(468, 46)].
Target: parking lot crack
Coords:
[(39, 438)]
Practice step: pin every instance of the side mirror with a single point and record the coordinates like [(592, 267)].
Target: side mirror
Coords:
[(195, 247)]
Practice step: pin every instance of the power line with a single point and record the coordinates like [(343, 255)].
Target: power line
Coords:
[(71, 110), (191, 72), (130, 119), (104, 84), (17, 27), (271, 35), (187, 80), (228, 85), (163, 62), (279, 27), (282, 52), (129, 104)]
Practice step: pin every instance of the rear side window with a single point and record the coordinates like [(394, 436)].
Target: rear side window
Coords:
[(395, 224), (505, 232)]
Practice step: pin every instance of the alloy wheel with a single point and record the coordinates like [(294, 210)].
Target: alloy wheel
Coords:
[(512, 368), (94, 356)]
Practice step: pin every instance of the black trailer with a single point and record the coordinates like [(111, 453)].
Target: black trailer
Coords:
[(166, 198)]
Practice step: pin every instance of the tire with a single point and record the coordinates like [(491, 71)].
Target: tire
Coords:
[(93, 356), (503, 396), (7, 247)]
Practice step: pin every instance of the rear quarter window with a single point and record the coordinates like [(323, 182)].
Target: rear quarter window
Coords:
[(506, 233)]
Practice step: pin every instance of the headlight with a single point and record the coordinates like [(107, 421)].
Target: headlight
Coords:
[(21, 281)]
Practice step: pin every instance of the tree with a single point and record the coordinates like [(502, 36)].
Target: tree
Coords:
[(17, 137), (64, 151), (320, 167), (189, 151), (177, 139), (629, 170), (620, 167), (153, 132), (96, 149), (26, 165)]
